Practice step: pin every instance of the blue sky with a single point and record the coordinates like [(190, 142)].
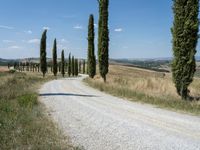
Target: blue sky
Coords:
[(138, 29)]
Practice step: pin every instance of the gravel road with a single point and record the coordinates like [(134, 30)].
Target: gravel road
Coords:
[(98, 121)]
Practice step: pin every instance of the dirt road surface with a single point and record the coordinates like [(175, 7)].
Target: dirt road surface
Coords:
[(98, 121)]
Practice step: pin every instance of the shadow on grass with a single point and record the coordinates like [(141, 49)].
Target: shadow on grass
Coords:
[(193, 98), (66, 94)]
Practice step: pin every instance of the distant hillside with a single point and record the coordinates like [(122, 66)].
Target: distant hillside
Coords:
[(150, 64), (4, 62)]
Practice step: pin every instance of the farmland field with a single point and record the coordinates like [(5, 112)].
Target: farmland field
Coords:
[(147, 86)]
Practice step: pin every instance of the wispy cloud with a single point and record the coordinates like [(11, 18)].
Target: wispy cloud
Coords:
[(46, 28), (118, 30), (78, 27), (34, 41), (6, 27), (60, 46), (64, 41), (28, 32), (8, 41), (95, 25), (14, 47)]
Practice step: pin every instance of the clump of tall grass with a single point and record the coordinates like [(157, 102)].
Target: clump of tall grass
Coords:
[(23, 124)]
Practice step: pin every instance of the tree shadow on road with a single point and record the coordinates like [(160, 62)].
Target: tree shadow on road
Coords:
[(65, 94)]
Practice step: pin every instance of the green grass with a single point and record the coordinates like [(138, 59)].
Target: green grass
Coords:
[(123, 91), (23, 123)]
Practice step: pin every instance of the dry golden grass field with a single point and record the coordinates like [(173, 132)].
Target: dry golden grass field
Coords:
[(146, 86), (3, 69)]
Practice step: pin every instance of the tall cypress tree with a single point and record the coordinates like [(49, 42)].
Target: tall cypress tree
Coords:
[(103, 45), (69, 65), (55, 67), (63, 63), (79, 67), (83, 66), (43, 61), (66, 66), (76, 67), (185, 38), (73, 66), (91, 48), (59, 66)]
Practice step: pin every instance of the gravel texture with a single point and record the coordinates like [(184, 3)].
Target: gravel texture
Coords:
[(97, 121)]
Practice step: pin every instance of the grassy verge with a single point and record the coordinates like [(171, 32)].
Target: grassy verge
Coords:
[(23, 124), (147, 87)]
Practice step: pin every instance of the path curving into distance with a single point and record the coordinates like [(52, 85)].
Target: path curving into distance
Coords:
[(98, 121)]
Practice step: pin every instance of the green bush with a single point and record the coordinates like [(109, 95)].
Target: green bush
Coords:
[(12, 71), (27, 100)]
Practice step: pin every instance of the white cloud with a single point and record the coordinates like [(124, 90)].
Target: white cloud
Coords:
[(95, 25), (34, 41), (118, 30), (8, 41), (14, 47), (64, 41), (78, 27), (6, 27), (28, 32), (46, 28)]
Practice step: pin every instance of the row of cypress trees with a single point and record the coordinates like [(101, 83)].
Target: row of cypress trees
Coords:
[(103, 47), (103, 42), (25, 66), (73, 66), (185, 37), (73, 63)]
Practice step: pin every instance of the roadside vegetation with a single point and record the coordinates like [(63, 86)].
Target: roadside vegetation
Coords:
[(147, 86), (23, 123)]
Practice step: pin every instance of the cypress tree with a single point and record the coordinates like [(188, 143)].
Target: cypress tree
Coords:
[(15, 65), (76, 67), (63, 63), (87, 67), (79, 66), (27, 66), (103, 45), (185, 38), (66, 67), (51, 67), (59, 66), (91, 67), (33, 67), (38, 67), (43, 61), (73, 66), (8, 65), (69, 65), (83, 66), (55, 67)]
